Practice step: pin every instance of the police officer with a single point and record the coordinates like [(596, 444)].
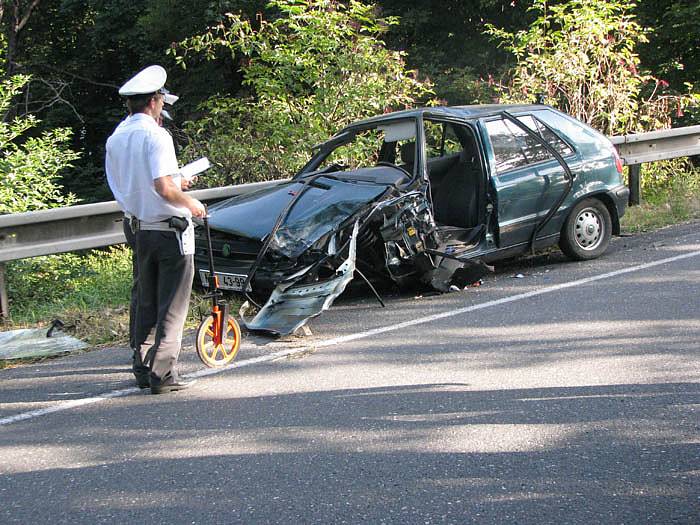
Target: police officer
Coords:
[(141, 371), (144, 177)]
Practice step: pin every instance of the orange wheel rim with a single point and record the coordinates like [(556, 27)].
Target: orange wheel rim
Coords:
[(216, 355)]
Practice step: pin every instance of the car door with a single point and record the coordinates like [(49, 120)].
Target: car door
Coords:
[(454, 166), (527, 178)]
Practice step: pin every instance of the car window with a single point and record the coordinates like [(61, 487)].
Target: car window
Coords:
[(362, 151), (514, 148), (576, 134), (434, 132), (543, 131), (534, 150), (508, 143), (440, 139), (451, 143)]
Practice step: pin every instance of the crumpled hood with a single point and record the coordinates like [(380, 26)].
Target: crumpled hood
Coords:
[(325, 204)]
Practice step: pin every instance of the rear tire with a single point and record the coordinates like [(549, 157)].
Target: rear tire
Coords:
[(587, 230)]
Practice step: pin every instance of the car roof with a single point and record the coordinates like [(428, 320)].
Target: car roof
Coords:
[(461, 112)]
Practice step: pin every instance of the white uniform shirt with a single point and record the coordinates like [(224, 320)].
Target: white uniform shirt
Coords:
[(138, 152)]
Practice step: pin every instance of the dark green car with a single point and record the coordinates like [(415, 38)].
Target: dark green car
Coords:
[(427, 195)]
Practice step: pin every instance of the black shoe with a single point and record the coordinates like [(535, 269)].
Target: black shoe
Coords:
[(169, 384), (142, 378), (141, 372)]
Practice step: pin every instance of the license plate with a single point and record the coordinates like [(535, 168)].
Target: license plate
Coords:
[(227, 281)]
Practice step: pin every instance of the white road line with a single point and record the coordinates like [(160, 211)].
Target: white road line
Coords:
[(526, 295), (75, 403)]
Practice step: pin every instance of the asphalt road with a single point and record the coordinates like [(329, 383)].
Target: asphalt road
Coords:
[(568, 395)]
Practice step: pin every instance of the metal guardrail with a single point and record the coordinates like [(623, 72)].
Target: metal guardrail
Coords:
[(653, 146), (59, 230), (658, 145)]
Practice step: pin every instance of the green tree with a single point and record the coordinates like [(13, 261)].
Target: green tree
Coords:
[(316, 66), (30, 165), (78, 53), (580, 55), (445, 41), (672, 52), (14, 16)]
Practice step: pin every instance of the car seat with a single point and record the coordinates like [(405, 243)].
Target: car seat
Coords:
[(456, 199), (408, 155)]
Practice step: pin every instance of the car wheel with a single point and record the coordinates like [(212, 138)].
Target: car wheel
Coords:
[(586, 232)]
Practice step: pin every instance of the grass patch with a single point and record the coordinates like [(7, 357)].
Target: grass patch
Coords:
[(42, 287), (675, 202), (89, 293)]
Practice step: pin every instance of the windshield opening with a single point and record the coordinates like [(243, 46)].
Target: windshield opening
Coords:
[(384, 144)]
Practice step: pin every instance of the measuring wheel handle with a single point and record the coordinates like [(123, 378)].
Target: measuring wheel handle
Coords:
[(218, 338)]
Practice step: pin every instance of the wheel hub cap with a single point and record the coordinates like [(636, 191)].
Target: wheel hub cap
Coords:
[(588, 229)]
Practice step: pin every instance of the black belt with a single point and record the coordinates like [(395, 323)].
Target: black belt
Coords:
[(173, 224)]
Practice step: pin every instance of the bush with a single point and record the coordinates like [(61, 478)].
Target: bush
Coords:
[(580, 56), (30, 165), (316, 67), (674, 175)]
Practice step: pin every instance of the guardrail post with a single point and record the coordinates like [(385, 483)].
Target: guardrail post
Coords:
[(4, 303), (635, 184)]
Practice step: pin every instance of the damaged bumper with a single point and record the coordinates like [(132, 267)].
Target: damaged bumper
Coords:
[(292, 304)]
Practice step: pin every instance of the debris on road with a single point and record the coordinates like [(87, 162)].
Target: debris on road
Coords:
[(35, 342)]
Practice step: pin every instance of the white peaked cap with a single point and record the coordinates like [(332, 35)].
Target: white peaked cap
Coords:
[(148, 80), (170, 98)]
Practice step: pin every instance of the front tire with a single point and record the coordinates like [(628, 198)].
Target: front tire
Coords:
[(587, 230)]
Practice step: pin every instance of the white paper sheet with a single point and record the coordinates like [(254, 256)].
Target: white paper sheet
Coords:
[(189, 171)]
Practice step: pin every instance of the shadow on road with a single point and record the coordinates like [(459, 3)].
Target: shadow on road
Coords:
[(405, 454)]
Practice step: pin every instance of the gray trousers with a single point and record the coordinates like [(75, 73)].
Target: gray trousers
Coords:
[(163, 297)]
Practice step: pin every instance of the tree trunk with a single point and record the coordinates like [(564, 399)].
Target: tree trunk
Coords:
[(19, 12)]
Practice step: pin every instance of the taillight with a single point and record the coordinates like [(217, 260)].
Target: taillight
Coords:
[(618, 160)]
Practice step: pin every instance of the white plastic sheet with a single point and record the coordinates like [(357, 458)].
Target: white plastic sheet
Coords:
[(32, 342)]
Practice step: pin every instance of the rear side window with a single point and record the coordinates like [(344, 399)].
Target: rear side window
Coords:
[(514, 148), (543, 131)]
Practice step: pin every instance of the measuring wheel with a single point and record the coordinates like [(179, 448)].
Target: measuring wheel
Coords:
[(218, 336), (216, 349)]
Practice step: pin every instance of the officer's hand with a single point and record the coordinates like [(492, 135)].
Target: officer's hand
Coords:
[(185, 184), (197, 209)]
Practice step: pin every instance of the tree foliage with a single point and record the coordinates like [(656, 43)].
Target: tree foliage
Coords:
[(14, 15), (314, 67), (580, 55), (30, 165), (78, 52), (445, 41), (672, 52)]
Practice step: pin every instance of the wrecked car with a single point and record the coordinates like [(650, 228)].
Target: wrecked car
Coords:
[(427, 196)]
